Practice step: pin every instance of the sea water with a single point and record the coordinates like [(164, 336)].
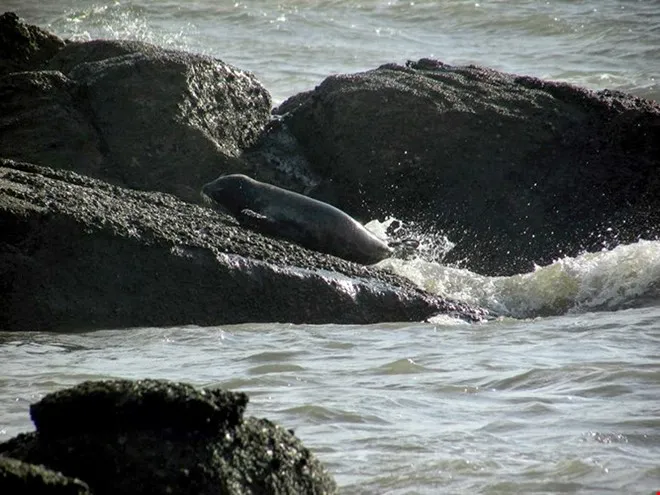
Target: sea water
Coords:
[(560, 394)]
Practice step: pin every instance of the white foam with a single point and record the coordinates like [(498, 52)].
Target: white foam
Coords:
[(626, 276)]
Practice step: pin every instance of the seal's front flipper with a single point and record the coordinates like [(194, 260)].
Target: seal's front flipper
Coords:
[(273, 227), (254, 220)]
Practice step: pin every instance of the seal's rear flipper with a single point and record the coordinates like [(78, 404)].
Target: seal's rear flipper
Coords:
[(409, 242), (404, 248)]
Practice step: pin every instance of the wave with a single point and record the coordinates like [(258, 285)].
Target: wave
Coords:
[(627, 276)]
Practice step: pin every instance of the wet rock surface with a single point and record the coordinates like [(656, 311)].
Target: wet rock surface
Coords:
[(154, 436), (513, 169), (78, 253)]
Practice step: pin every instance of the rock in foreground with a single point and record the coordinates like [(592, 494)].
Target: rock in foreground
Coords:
[(152, 436)]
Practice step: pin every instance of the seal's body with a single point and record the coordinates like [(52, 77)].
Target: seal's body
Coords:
[(297, 218)]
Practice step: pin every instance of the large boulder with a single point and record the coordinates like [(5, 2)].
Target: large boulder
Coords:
[(78, 253), (515, 170), (153, 436), (131, 113)]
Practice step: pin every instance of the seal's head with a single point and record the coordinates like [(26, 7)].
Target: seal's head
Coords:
[(233, 192)]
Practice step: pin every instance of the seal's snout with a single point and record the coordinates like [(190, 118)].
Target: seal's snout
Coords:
[(208, 192)]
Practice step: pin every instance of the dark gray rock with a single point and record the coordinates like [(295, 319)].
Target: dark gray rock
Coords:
[(124, 405), (41, 121), (170, 121), (515, 170), (17, 477), (197, 441), (77, 253), (23, 46), (130, 113)]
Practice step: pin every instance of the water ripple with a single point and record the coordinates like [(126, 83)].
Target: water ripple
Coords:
[(400, 367), (274, 368)]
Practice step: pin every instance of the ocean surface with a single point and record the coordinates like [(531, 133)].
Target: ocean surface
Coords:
[(559, 395)]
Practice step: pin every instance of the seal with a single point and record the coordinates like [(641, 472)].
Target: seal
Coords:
[(300, 219)]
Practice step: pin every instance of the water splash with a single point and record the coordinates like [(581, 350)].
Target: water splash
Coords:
[(624, 277), (433, 246), (117, 20)]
